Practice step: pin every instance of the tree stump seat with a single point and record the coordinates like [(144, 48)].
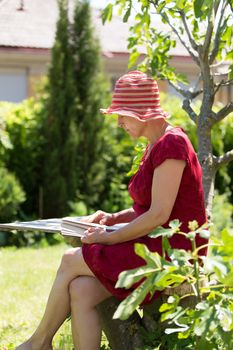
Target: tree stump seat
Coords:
[(127, 334)]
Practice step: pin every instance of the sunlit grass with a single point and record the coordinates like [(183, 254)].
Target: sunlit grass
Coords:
[(26, 276)]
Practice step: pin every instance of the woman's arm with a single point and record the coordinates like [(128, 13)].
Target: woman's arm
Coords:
[(101, 217), (125, 215), (165, 186)]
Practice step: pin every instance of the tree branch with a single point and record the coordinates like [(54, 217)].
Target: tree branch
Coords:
[(187, 107), (224, 159), (191, 40), (208, 37), (186, 93), (222, 83), (188, 48), (225, 83), (217, 35), (217, 64), (217, 74), (217, 117)]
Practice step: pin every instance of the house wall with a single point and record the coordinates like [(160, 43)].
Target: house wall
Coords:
[(21, 70)]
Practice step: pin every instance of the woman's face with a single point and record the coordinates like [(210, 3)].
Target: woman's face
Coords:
[(132, 126)]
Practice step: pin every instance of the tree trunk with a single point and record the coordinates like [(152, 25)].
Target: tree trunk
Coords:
[(122, 335), (128, 335), (205, 156)]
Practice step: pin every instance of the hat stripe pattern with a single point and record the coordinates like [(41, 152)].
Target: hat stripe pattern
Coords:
[(136, 95)]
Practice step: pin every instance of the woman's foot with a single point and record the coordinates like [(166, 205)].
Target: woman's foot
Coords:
[(31, 345)]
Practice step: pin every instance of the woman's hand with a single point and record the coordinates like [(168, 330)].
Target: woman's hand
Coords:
[(95, 235), (101, 217)]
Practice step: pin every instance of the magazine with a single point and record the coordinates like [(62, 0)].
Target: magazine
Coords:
[(67, 226), (71, 226), (45, 225)]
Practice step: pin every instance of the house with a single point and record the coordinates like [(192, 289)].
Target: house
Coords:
[(27, 31)]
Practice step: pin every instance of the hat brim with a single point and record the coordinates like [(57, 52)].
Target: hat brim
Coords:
[(143, 117)]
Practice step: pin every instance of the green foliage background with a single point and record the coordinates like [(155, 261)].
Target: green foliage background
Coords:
[(59, 156), (22, 151)]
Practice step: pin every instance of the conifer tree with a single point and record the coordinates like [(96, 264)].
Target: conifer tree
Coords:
[(59, 169), (72, 168), (91, 90)]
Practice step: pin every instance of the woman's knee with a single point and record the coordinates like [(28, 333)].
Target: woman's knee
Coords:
[(69, 258), (81, 288)]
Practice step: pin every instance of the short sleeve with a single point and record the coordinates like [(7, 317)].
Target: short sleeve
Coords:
[(171, 146)]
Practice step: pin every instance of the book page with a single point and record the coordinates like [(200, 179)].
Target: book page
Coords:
[(75, 227)]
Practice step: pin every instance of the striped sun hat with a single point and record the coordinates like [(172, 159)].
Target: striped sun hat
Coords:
[(136, 95)]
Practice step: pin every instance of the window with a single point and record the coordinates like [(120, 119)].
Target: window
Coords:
[(13, 86)]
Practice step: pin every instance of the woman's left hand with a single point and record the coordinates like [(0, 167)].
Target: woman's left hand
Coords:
[(95, 235)]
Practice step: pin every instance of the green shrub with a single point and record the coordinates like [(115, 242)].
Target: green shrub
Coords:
[(5, 143), (23, 124), (208, 323), (222, 213), (11, 195)]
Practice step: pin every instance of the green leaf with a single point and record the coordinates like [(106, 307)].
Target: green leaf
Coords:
[(225, 317), (161, 6), (230, 74), (229, 55), (107, 13), (127, 13), (227, 36), (127, 278), (191, 235), (167, 278), (173, 315), (175, 225), (204, 234), (129, 305), (198, 8), (153, 259), (161, 232), (228, 280), (227, 237), (133, 58), (216, 264), (181, 256), (202, 321), (176, 330), (204, 344), (166, 245), (166, 307), (185, 335)]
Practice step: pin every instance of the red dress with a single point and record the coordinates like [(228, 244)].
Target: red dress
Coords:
[(107, 261)]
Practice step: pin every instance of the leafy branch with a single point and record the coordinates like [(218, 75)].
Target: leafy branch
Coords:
[(191, 39), (210, 319), (187, 47), (218, 33)]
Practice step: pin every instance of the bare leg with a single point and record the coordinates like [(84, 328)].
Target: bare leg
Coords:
[(58, 305), (86, 292)]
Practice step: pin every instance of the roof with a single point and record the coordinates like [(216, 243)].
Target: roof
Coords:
[(34, 27)]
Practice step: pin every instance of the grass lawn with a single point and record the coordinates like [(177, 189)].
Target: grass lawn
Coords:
[(26, 276)]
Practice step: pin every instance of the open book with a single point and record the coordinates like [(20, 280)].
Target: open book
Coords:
[(45, 225), (68, 226), (71, 226)]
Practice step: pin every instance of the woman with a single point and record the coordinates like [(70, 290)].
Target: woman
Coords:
[(167, 186)]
